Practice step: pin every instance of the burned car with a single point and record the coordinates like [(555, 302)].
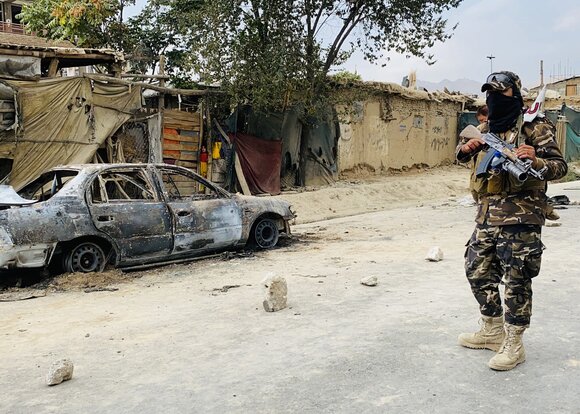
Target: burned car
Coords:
[(86, 216)]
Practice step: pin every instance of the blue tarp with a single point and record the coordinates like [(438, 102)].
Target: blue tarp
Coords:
[(466, 118), (572, 152), (572, 144)]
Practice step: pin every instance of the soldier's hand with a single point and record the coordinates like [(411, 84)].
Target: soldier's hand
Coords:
[(526, 151), (472, 145)]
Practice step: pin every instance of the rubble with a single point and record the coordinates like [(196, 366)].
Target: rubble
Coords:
[(60, 371), (466, 201), (435, 254), (369, 281), (276, 291)]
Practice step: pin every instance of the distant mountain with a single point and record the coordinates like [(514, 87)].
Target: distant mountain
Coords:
[(466, 86)]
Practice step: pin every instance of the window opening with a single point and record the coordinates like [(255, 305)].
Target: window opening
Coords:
[(179, 187), (121, 186), (47, 185)]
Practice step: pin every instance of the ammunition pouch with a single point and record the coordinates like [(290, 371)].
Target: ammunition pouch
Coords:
[(501, 183)]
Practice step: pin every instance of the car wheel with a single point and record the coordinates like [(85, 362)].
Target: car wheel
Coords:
[(85, 257), (265, 233)]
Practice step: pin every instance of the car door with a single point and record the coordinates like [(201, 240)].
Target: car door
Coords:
[(125, 205), (204, 218)]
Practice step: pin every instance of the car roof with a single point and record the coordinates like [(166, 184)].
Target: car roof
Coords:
[(100, 167), (94, 168)]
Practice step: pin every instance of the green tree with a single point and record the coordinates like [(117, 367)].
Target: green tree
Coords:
[(160, 29), (86, 23), (100, 23), (273, 52)]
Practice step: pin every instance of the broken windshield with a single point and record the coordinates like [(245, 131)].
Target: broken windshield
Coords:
[(47, 185)]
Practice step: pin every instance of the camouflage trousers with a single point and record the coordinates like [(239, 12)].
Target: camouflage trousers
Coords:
[(510, 253)]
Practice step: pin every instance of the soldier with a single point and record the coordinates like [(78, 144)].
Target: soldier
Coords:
[(509, 221)]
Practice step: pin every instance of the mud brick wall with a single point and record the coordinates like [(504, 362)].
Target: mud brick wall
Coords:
[(393, 132)]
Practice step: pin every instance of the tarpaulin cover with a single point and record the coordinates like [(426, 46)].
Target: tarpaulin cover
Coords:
[(313, 141), (260, 160), (572, 144), (285, 126), (573, 118), (23, 67), (572, 152), (291, 135), (62, 121), (320, 135), (467, 118)]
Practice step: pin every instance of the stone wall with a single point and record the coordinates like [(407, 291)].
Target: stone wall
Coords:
[(395, 132)]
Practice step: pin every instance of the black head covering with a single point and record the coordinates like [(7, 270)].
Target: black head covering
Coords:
[(504, 111)]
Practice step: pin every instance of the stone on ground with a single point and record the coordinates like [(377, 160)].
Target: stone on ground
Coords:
[(276, 292), (435, 254), (60, 371), (369, 281), (466, 201)]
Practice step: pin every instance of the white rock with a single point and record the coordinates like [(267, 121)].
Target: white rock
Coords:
[(435, 254), (276, 291), (466, 201), (553, 224), (369, 281), (60, 371)]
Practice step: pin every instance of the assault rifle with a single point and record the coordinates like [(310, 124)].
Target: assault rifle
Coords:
[(501, 156)]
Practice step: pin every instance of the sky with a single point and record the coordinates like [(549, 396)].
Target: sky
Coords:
[(518, 33)]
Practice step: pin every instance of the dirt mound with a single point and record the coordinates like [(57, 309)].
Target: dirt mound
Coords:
[(347, 198), (87, 281)]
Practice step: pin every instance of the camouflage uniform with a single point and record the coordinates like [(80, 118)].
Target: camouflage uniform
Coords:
[(506, 241)]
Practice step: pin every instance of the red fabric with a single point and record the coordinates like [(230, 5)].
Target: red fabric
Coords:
[(203, 156), (261, 161)]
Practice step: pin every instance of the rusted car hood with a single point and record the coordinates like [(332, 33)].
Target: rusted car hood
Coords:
[(9, 197)]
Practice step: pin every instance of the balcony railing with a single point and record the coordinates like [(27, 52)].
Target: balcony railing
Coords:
[(12, 28)]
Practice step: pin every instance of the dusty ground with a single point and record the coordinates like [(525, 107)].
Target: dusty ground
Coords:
[(195, 338)]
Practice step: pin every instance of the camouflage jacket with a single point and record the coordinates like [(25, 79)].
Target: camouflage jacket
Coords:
[(502, 200)]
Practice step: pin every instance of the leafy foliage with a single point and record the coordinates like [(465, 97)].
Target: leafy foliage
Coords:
[(86, 23), (273, 53), (160, 29), (345, 76), (266, 51), (157, 30), (252, 49)]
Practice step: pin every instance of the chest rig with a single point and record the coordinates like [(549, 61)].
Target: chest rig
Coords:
[(500, 182)]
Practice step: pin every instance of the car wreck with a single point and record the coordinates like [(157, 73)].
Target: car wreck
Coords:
[(87, 216)]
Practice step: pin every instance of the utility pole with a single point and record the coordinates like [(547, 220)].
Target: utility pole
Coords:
[(491, 57)]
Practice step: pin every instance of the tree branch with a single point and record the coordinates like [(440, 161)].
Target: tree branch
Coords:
[(319, 15), (259, 22), (354, 18)]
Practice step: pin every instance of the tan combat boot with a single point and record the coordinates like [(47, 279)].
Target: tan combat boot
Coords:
[(512, 350), (490, 336)]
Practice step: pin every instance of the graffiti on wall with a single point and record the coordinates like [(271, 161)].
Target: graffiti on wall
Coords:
[(439, 143), (418, 121)]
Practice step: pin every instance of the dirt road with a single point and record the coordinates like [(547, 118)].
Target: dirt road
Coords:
[(195, 338)]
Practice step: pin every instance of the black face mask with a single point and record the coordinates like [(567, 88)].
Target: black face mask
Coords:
[(503, 111)]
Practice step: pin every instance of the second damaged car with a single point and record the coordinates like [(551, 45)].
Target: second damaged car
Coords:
[(128, 215)]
